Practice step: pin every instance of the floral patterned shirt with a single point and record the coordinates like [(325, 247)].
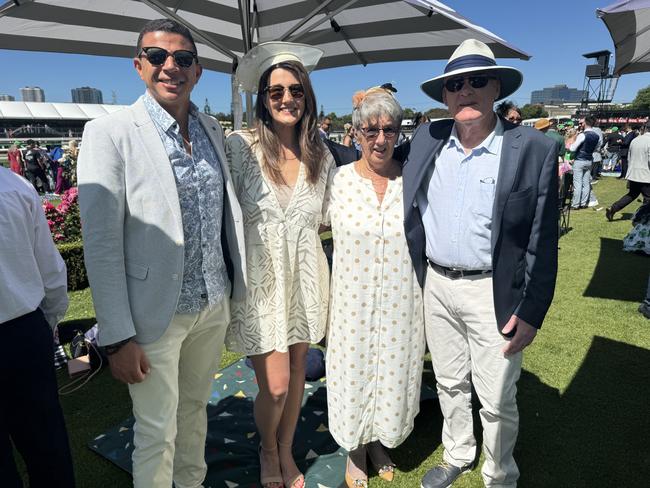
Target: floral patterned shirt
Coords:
[(200, 187)]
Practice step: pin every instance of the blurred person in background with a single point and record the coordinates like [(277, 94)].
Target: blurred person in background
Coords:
[(15, 157), (33, 299), (509, 111)]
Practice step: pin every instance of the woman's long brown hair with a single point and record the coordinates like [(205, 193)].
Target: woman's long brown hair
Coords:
[(311, 146)]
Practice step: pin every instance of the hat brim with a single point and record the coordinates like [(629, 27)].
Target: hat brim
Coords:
[(256, 61), (510, 79)]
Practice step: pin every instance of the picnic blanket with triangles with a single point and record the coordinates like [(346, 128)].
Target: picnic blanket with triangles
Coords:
[(231, 445)]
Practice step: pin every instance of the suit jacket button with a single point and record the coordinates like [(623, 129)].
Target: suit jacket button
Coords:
[(415, 204)]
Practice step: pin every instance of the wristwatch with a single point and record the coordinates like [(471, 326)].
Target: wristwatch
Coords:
[(113, 348)]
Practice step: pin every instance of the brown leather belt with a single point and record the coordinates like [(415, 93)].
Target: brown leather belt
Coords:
[(454, 273)]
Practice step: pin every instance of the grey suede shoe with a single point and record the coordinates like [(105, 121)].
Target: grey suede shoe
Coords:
[(644, 309), (443, 475)]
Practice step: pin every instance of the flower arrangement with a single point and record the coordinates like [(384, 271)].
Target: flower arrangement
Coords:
[(64, 220)]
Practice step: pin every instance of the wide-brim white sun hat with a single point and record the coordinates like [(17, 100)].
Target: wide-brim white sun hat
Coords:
[(256, 61), (474, 56)]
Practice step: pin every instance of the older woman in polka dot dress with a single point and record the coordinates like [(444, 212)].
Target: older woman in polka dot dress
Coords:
[(376, 331)]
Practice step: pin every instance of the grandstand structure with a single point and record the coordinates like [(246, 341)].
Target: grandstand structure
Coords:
[(47, 121)]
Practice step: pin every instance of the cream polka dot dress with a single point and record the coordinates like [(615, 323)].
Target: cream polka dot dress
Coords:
[(375, 339)]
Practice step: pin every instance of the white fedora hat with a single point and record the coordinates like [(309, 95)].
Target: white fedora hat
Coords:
[(256, 61), (470, 57)]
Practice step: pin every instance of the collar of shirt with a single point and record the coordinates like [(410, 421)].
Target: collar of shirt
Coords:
[(490, 144), (161, 117)]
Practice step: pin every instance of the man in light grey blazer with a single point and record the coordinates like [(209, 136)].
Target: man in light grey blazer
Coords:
[(163, 244), (480, 217)]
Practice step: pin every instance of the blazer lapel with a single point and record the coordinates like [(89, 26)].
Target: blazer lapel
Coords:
[(508, 168), (420, 158), (158, 160)]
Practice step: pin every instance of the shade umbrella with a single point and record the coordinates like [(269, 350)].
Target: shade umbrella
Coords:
[(348, 31), (628, 23)]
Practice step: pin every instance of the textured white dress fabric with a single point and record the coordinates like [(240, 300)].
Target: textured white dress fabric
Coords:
[(375, 338), (288, 277)]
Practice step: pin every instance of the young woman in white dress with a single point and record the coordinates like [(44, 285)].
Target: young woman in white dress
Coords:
[(280, 171), (375, 338)]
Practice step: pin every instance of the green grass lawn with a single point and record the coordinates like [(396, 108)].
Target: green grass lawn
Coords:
[(583, 395)]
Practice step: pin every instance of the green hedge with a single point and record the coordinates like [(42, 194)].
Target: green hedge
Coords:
[(73, 255)]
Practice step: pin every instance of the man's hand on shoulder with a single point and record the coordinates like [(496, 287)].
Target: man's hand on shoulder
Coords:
[(524, 335), (129, 364)]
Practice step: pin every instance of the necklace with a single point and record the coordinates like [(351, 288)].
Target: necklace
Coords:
[(379, 182), (365, 170)]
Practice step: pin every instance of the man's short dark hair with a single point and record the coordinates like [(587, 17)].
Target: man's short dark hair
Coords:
[(30, 142), (590, 120), (164, 25)]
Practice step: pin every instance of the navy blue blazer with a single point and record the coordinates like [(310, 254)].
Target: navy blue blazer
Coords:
[(524, 217)]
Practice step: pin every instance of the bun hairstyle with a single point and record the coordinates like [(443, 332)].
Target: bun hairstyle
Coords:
[(374, 103)]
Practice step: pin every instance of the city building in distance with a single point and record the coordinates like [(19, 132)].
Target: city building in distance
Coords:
[(32, 94), (7, 98), (556, 94), (86, 94)]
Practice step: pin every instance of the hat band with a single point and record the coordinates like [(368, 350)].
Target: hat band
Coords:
[(469, 61)]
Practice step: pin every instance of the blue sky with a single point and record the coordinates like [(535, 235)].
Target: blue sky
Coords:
[(554, 32)]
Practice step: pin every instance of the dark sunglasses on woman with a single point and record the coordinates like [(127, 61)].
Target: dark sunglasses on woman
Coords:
[(157, 56), (276, 92), (477, 81), (373, 132)]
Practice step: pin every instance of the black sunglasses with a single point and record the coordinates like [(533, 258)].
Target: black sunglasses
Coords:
[(157, 56), (276, 92), (478, 81)]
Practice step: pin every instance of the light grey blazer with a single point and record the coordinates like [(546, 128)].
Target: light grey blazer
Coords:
[(638, 166), (132, 228)]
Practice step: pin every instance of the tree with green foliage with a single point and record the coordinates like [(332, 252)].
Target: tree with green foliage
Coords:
[(437, 113), (642, 99), (533, 111), (408, 113)]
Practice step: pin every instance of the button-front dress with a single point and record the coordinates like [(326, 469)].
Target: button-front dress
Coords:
[(375, 338)]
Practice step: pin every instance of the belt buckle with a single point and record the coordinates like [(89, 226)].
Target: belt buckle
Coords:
[(454, 273)]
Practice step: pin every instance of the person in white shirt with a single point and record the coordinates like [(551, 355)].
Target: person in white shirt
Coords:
[(33, 298)]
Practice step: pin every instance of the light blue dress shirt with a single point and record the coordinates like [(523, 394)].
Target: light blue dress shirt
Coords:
[(200, 187), (456, 204)]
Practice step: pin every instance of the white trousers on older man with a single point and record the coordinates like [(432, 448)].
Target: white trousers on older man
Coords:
[(465, 347), (170, 404)]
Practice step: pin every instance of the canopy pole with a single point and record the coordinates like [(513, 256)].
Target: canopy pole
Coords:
[(307, 18), (244, 15), (10, 5), (235, 104), (326, 17), (159, 7)]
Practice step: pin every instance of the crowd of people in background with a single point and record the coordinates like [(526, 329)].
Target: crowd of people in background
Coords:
[(50, 169)]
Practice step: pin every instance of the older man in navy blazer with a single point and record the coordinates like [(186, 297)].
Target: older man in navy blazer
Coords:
[(480, 198)]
